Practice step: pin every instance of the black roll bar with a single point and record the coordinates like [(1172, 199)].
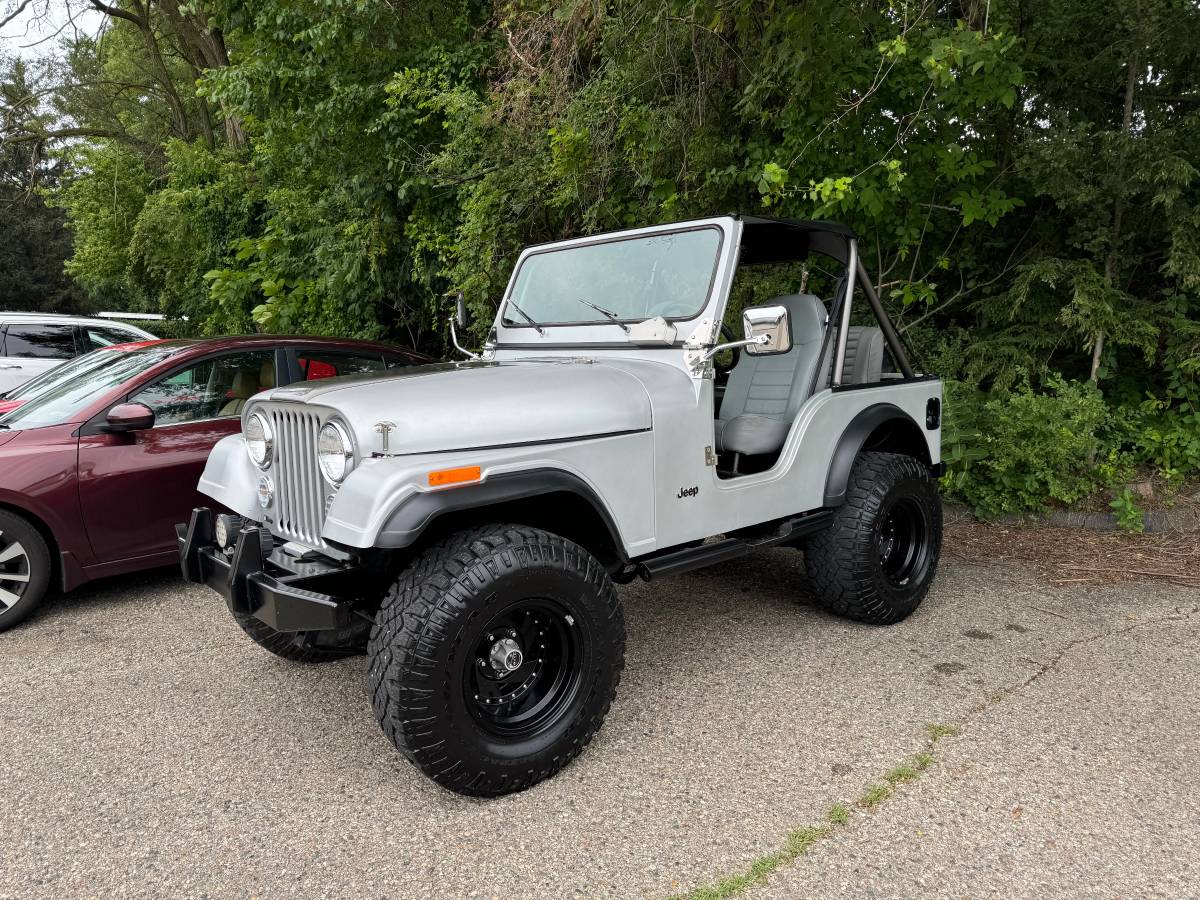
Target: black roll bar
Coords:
[(889, 331)]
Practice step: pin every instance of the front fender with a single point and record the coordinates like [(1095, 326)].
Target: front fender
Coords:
[(231, 478), (387, 501)]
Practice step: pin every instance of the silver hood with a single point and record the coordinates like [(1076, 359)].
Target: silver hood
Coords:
[(470, 405)]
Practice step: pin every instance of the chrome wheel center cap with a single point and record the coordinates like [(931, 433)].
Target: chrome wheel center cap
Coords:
[(506, 655)]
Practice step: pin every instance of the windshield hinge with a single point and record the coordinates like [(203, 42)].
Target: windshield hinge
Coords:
[(710, 458), (696, 346)]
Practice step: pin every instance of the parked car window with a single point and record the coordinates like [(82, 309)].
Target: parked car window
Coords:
[(73, 386), (315, 366), (214, 388), (395, 362), (40, 341), (98, 337)]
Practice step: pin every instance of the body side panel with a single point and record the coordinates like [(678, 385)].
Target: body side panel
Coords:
[(38, 475)]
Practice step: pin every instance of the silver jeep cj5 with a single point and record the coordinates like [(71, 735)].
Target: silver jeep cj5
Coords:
[(464, 524)]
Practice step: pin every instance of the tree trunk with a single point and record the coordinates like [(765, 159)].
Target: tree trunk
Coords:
[(204, 47)]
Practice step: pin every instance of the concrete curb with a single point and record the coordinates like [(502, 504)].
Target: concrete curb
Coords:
[(1184, 517)]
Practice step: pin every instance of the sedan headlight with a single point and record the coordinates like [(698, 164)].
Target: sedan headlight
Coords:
[(335, 452), (259, 440)]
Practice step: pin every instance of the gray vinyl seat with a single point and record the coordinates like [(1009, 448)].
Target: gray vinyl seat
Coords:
[(864, 355), (765, 392)]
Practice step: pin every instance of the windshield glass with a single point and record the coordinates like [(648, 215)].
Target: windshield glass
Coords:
[(59, 374), (56, 396), (632, 279)]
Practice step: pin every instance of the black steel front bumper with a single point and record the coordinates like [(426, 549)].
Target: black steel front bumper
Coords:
[(287, 594)]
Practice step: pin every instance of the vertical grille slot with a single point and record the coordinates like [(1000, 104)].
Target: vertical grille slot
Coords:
[(299, 488)]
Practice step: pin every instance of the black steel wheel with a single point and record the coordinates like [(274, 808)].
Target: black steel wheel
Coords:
[(525, 669), (25, 569), (876, 559), (495, 657), (902, 542)]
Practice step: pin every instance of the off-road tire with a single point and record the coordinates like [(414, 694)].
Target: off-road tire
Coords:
[(39, 565), (844, 560), (425, 641), (287, 645)]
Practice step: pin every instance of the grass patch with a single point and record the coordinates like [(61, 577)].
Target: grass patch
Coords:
[(902, 774), (798, 843), (802, 840), (937, 732), (875, 795)]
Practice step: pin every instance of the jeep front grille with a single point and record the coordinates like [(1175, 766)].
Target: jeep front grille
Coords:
[(300, 491)]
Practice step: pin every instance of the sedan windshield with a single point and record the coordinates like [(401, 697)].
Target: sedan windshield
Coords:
[(627, 280), (56, 396)]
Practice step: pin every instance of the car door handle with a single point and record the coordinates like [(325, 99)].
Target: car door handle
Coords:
[(9, 366)]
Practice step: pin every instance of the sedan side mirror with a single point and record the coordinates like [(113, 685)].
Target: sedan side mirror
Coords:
[(771, 322), (129, 417)]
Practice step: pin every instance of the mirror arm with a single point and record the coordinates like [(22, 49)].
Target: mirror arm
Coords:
[(761, 339), (457, 346)]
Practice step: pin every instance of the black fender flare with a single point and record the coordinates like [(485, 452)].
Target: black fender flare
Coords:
[(851, 443), (411, 517)]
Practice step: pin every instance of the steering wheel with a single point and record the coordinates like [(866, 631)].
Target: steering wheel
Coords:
[(727, 334)]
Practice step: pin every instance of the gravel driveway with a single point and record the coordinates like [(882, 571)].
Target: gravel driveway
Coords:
[(149, 749)]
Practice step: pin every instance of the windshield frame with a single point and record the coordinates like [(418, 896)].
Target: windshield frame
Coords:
[(613, 238)]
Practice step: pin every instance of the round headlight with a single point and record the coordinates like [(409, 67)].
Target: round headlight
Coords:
[(259, 440), (335, 452)]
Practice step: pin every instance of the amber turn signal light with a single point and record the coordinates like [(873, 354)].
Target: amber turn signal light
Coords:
[(461, 475)]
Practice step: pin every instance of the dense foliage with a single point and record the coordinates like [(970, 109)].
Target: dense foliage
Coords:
[(1023, 173), (36, 244)]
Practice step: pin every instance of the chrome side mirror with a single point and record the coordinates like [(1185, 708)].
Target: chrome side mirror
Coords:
[(459, 320), (771, 323), (460, 311)]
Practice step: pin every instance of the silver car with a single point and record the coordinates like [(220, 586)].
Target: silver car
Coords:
[(33, 343), (465, 524)]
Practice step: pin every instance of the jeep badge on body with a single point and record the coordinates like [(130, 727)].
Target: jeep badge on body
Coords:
[(464, 524)]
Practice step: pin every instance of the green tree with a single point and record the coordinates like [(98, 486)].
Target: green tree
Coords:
[(36, 244)]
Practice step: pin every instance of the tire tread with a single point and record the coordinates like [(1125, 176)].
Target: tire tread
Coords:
[(840, 561), (429, 597)]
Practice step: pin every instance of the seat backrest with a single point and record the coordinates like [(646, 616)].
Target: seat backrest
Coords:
[(245, 385), (775, 386), (864, 356)]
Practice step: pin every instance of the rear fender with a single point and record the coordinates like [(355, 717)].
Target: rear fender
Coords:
[(883, 426)]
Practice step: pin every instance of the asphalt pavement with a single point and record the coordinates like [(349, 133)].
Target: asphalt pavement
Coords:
[(149, 749)]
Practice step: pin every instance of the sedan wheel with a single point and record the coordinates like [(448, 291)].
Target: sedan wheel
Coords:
[(24, 569), (14, 571)]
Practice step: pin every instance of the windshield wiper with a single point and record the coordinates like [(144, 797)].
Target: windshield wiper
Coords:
[(526, 316), (607, 313)]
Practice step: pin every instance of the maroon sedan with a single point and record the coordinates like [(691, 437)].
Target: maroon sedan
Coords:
[(99, 458)]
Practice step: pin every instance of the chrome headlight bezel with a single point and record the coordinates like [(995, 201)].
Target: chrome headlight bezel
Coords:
[(335, 452), (266, 441)]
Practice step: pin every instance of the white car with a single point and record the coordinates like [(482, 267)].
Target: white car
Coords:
[(33, 343)]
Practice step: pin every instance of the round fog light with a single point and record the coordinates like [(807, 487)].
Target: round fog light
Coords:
[(226, 530), (266, 491)]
